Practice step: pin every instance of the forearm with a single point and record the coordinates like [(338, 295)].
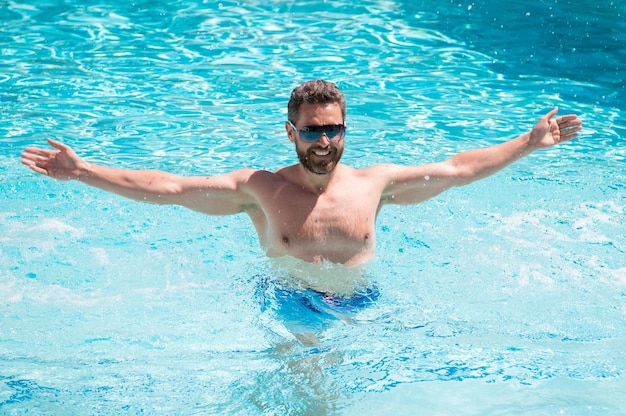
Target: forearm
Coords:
[(478, 164), (418, 183), (140, 185), (217, 195)]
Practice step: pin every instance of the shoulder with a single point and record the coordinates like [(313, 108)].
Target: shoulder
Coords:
[(238, 179), (251, 174), (255, 177), (260, 178), (385, 171)]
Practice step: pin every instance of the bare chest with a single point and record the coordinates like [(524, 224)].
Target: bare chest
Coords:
[(337, 226)]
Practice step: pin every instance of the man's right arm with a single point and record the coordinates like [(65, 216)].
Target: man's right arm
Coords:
[(218, 195)]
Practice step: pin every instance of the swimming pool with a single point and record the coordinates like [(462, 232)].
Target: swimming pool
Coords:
[(504, 297)]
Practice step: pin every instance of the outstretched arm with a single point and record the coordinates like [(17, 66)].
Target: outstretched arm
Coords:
[(217, 195), (410, 185)]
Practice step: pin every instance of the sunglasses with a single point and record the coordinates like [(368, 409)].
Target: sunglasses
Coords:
[(311, 134)]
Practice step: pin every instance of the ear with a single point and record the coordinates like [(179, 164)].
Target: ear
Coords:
[(290, 133)]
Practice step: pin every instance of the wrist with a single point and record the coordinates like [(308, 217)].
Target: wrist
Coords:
[(529, 145), (85, 170)]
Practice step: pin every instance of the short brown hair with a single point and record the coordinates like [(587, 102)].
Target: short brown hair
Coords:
[(316, 91)]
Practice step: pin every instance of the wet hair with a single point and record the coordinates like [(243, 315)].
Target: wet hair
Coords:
[(314, 92)]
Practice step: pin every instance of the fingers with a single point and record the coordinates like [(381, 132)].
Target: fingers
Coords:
[(58, 145), (46, 152), (34, 167), (568, 125), (567, 117), (569, 128), (34, 162), (30, 155), (37, 159), (569, 122), (40, 152), (571, 131)]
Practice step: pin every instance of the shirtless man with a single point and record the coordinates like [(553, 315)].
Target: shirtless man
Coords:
[(318, 210)]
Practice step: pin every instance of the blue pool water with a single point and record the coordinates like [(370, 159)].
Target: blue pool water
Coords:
[(507, 296)]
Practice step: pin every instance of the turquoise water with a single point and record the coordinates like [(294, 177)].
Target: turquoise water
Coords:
[(507, 296)]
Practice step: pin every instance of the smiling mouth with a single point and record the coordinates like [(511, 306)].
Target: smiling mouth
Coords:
[(321, 152)]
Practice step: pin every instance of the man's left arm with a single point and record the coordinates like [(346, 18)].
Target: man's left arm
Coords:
[(410, 185)]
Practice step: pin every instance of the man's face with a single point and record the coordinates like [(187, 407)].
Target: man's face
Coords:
[(321, 156)]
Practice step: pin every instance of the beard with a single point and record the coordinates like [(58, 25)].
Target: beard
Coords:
[(312, 163)]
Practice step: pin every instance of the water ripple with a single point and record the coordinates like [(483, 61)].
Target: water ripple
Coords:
[(496, 292)]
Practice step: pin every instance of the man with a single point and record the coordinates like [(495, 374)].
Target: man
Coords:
[(317, 210)]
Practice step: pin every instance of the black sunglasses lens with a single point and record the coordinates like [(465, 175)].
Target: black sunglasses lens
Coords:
[(313, 133), (310, 136), (333, 131)]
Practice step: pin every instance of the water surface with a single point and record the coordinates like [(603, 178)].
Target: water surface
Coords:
[(503, 297)]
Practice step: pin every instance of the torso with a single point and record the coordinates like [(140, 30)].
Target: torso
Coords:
[(336, 225)]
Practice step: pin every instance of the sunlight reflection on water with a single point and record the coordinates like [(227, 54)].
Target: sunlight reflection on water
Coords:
[(514, 281)]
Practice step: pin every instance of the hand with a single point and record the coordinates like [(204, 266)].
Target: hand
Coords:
[(61, 163), (550, 131)]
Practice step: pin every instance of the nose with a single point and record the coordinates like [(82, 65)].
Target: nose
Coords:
[(323, 139)]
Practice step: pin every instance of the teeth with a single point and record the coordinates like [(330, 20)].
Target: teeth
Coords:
[(322, 152)]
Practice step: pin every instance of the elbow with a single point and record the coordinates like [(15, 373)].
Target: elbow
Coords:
[(167, 193), (460, 175), (172, 188), (164, 184), (466, 176), (161, 191)]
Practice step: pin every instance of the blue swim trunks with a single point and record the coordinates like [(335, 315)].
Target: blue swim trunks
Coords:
[(309, 310)]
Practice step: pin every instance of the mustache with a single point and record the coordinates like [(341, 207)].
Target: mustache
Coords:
[(314, 148)]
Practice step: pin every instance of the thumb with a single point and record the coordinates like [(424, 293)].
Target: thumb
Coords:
[(58, 145), (552, 113)]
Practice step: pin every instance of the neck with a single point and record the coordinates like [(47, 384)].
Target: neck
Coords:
[(314, 182)]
